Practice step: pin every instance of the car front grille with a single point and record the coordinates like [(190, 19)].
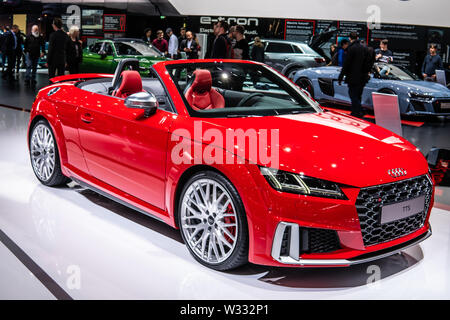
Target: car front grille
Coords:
[(371, 200)]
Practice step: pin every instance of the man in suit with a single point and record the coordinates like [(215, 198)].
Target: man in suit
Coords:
[(10, 44), (189, 46), (56, 57), (356, 70)]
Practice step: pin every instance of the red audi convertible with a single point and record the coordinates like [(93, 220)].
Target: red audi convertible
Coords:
[(241, 160)]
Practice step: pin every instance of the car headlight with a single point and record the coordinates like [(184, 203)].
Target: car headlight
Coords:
[(295, 183), (420, 97)]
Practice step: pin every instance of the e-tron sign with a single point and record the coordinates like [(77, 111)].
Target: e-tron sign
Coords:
[(231, 21)]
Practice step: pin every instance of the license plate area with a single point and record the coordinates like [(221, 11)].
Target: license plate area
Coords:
[(402, 210), (445, 105)]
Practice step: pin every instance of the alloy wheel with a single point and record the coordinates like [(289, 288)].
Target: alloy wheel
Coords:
[(42, 147), (209, 221)]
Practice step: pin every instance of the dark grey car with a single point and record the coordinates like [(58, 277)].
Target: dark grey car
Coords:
[(290, 56)]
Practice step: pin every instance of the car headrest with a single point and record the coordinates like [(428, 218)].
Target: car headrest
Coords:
[(131, 83), (203, 81)]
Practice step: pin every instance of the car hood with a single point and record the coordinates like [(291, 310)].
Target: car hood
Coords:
[(426, 87), (331, 146)]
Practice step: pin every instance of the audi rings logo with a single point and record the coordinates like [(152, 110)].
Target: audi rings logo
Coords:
[(397, 172)]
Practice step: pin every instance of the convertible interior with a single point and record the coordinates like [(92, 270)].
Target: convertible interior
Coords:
[(131, 83), (204, 89)]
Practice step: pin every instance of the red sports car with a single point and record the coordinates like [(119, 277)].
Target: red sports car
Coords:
[(237, 157)]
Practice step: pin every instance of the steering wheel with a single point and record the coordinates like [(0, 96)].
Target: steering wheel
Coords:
[(248, 98)]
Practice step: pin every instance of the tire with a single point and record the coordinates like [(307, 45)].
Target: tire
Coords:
[(306, 84), (208, 230), (44, 155), (290, 73)]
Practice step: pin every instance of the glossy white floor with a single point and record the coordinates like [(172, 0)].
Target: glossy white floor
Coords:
[(94, 248)]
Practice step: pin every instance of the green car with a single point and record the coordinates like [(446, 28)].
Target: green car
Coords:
[(104, 55)]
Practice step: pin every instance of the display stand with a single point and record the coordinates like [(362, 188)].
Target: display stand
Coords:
[(387, 112), (440, 77)]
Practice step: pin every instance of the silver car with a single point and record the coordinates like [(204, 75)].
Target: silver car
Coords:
[(288, 57)]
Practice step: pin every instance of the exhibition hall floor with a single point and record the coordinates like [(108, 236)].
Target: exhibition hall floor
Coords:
[(63, 243)]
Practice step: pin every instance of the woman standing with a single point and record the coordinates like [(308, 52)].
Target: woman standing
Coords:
[(258, 50), (74, 50)]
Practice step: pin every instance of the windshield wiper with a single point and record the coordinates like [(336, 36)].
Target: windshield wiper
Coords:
[(242, 115)]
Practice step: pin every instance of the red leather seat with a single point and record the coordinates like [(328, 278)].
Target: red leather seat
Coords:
[(131, 83), (201, 95)]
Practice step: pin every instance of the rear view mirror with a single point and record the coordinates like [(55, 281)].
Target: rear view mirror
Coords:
[(102, 53), (144, 101)]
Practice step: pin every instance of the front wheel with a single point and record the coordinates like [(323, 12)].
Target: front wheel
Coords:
[(212, 221), (44, 155), (306, 85)]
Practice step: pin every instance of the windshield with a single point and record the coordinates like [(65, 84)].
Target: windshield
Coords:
[(135, 49), (224, 89), (390, 72)]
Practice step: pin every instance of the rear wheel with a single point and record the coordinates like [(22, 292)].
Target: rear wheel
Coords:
[(291, 72), (44, 155), (212, 221), (306, 85)]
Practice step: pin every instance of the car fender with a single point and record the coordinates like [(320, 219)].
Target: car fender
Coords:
[(292, 65), (43, 108), (239, 174), (305, 73)]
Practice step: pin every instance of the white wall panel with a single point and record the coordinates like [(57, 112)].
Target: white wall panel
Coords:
[(415, 12)]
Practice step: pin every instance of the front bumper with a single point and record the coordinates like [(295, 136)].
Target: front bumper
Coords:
[(293, 256), (433, 106), (327, 222)]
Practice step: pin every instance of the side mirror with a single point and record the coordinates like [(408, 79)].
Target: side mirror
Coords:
[(144, 101), (102, 53)]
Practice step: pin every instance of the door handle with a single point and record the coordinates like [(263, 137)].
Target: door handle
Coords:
[(87, 118)]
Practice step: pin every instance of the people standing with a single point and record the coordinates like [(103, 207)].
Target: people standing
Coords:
[(333, 51), (19, 49), (231, 36), (340, 55), (241, 48), (2, 52), (431, 63), (190, 46), (160, 43), (9, 48), (34, 49), (356, 69), (181, 38), (383, 54), (56, 57), (220, 45), (258, 50), (147, 36), (74, 50), (173, 44)]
